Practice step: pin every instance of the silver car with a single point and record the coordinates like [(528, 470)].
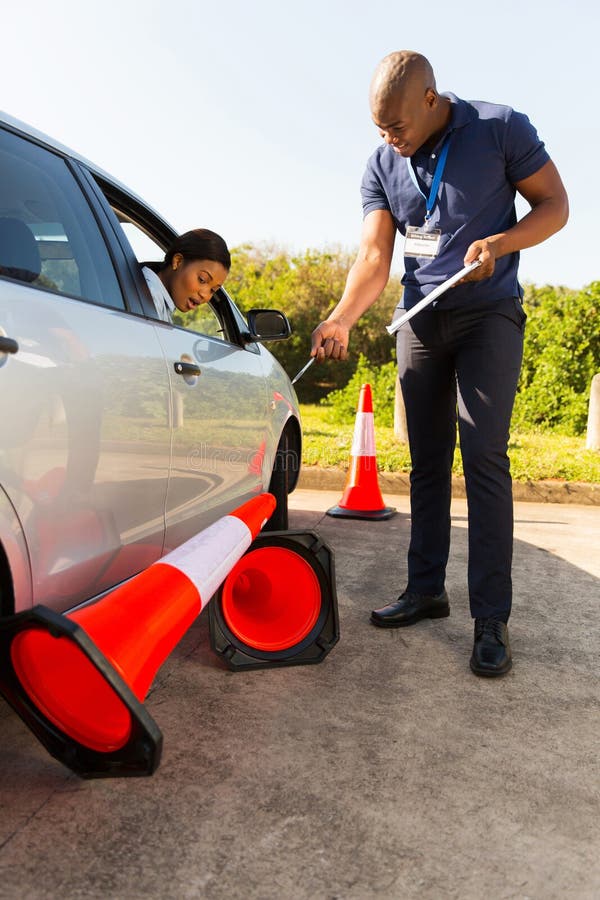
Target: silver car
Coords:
[(121, 435)]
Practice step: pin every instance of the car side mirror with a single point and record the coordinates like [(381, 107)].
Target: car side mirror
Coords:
[(268, 325)]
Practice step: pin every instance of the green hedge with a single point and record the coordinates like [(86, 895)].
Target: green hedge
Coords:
[(306, 287), (341, 405), (561, 356), (562, 340)]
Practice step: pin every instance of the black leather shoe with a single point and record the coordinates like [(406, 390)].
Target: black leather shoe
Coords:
[(491, 648), (410, 608)]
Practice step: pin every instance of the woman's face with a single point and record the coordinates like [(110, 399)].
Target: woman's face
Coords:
[(192, 282)]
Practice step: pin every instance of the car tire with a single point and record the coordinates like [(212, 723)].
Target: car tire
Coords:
[(6, 593), (279, 487)]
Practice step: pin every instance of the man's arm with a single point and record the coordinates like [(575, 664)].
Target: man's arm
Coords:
[(545, 193), (366, 280)]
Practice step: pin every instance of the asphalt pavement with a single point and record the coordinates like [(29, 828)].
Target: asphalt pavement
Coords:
[(386, 771)]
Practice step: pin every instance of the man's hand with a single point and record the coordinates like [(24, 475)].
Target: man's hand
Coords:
[(484, 251), (366, 279), (545, 193), (330, 339)]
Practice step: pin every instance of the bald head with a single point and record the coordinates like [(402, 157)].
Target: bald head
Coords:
[(405, 104), (398, 73)]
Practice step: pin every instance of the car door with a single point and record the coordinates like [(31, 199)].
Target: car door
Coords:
[(220, 409), (219, 427), (84, 402)]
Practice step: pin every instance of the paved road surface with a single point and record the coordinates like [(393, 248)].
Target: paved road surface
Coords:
[(387, 771)]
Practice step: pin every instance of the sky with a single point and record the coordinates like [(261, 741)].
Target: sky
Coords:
[(252, 118)]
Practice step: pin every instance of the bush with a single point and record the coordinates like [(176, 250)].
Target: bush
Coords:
[(306, 287), (561, 356), (341, 405)]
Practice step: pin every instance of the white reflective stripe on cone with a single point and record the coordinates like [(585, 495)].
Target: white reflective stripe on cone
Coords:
[(208, 557), (363, 443)]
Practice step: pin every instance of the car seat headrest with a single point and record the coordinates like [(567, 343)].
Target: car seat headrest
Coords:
[(19, 253)]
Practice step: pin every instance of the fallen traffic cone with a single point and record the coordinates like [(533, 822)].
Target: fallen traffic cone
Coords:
[(362, 497), (78, 681), (278, 605)]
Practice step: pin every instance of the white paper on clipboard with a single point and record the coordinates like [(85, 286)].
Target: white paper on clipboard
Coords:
[(436, 292)]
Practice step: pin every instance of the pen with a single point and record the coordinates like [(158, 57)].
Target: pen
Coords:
[(303, 370)]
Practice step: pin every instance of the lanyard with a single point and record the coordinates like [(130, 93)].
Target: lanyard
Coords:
[(437, 177)]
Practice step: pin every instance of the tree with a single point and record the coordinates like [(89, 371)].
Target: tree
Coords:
[(306, 287), (562, 343), (561, 356)]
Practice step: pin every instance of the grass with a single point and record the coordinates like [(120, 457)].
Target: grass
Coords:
[(534, 457)]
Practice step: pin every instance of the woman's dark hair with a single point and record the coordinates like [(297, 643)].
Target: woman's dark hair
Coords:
[(199, 244)]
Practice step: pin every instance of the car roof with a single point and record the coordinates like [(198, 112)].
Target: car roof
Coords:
[(46, 140)]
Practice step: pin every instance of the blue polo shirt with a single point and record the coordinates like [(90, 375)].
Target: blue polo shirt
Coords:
[(490, 148)]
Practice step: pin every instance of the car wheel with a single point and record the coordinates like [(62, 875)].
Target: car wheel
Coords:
[(278, 486)]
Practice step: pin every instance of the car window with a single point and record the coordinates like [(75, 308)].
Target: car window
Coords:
[(49, 237), (144, 247), (204, 319)]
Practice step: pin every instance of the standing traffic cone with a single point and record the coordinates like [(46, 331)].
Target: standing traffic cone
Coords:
[(78, 681), (362, 498)]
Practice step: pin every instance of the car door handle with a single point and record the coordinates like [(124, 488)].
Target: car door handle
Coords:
[(185, 368), (8, 345)]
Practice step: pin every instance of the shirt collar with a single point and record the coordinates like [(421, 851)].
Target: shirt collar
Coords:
[(165, 294), (462, 112)]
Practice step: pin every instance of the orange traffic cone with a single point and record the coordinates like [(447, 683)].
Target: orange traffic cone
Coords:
[(362, 498), (78, 681), (278, 605)]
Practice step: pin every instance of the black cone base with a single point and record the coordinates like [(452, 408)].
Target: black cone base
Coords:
[(313, 646), (340, 512), (139, 756)]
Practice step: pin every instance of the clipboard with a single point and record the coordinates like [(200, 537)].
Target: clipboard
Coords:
[(435, 293)]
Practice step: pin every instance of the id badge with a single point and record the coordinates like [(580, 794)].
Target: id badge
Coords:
[(422, 242)]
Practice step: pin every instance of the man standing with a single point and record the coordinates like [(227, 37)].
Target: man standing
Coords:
[(445, 178)]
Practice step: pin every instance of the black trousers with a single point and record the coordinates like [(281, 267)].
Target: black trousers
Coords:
[(465, 364)]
